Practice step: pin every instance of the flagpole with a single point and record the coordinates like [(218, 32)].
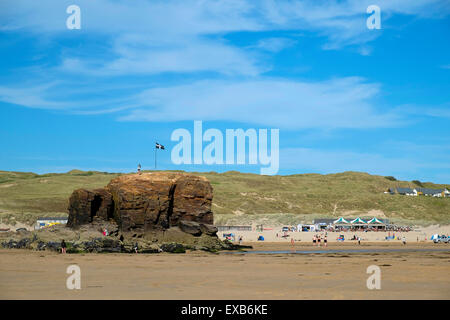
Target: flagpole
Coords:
[(156, 150)]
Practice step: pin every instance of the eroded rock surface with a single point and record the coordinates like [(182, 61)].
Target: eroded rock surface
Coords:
[(140, 203)]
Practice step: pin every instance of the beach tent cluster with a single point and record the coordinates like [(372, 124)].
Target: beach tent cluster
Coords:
[(358, 222)]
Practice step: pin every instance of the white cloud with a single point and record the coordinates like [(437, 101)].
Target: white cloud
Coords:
[(338, 103), (139, 54), (32, 97), (171, 36), (421, 111), (274, 44)]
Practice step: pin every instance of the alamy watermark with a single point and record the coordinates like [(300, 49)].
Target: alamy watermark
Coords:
[(74, 280), (374, 20), (374, 281), (230, 151), (74, 20)]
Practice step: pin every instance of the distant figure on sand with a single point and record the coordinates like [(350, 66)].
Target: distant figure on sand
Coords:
[(318, 240), (63, 246), (359, 240), (404, 240), (139, 168), (240, 240), (314, 240), (325, 241), (292, 241), (136, 247)]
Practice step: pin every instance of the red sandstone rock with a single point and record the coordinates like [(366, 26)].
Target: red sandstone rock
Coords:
[(144, 202)]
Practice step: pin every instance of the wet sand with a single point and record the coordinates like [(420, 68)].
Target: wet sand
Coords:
[(197, 275)]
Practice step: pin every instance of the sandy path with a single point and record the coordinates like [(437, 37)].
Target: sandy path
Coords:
[(405, 275)]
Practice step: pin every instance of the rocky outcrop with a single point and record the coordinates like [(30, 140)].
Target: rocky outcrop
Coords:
[(86, 205), (145, 202)]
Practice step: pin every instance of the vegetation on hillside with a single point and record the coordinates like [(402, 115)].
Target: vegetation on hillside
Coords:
[(242, 197)]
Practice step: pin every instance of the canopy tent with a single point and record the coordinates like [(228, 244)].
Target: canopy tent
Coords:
[(376, 221), (341, 221), (358, 222), (434, 236)]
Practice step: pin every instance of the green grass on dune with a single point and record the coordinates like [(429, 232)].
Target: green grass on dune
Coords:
[(24, 196), (241, 197)]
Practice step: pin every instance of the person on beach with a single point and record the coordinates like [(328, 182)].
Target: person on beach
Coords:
[(240, 240), (139, 168), (292, 242), (325, 240), (359, 240), (136, 247), (318, 240), (63, 246), (314, 240), (404, 240)]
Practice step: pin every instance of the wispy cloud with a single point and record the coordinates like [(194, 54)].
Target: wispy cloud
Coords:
[(161, 36), (274, 44), (338, 103), (139, 54), (31, 97)]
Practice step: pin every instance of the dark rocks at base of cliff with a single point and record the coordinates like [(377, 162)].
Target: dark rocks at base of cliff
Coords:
[(89, 239)]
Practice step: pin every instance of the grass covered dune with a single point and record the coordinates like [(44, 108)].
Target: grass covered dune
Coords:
[(241, 197)]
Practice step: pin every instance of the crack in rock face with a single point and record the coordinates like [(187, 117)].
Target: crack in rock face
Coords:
[(146, 202)]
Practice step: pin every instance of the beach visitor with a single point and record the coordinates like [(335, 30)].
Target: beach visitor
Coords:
[(292, 241), (325, 240), (63, 246), (404, 240), (318, 240), (240, 240), (139, 168), (359, 240), (136, 247), (314, 240)]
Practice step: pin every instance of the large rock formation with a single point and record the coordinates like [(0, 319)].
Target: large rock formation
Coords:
[(148, 213), (146, 202)]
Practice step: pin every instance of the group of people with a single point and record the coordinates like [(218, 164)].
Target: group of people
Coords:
[(317, 239)]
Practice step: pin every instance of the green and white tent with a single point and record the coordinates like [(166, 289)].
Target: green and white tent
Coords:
[(358, 221), (340, 221), (375, 221)]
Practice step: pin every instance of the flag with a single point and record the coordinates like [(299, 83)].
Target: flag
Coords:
[(159, 146)]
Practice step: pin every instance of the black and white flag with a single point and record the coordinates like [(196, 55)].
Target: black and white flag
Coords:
[(159, 146)]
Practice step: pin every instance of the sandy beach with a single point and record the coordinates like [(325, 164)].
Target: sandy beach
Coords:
[(196, 275), (418, 234)]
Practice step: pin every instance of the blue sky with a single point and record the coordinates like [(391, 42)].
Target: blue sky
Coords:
[(344, 97)]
